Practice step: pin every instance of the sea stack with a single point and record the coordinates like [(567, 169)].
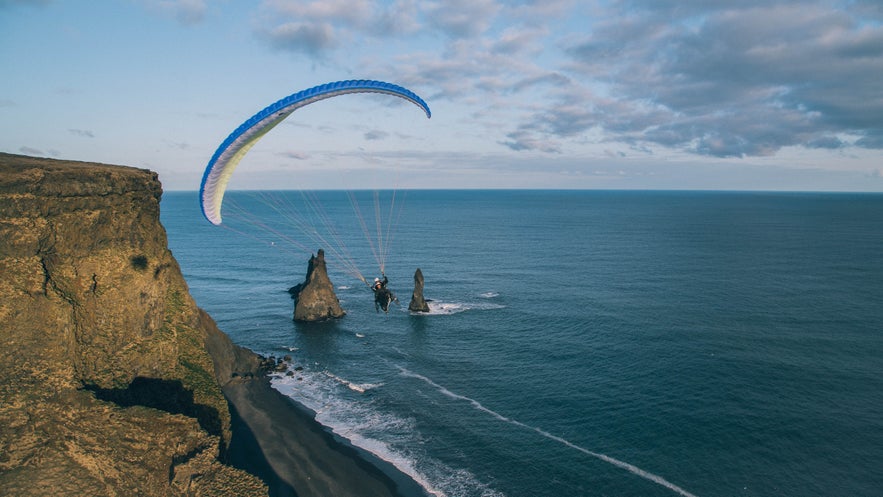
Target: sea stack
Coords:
[(418, 303), (314, 299)]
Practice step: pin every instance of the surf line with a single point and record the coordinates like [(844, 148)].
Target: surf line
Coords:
[(631, 468)]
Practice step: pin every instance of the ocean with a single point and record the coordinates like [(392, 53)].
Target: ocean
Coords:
[(580, 343)]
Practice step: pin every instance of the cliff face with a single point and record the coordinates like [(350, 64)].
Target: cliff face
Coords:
[(108, 387)]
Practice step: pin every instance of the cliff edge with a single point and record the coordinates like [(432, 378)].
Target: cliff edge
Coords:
[(109, 386)]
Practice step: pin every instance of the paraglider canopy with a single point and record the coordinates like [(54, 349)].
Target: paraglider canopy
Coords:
[(233, 149)]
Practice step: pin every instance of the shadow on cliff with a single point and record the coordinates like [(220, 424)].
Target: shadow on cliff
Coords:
[(166, 395)]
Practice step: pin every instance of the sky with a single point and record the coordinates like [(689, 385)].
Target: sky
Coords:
[(569, 94)]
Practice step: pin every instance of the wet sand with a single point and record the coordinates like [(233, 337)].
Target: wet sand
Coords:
[(282, 443)]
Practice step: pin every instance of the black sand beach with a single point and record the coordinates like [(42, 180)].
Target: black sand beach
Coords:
[(281, 442)]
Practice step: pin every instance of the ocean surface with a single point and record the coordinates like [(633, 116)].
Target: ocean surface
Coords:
[(580, 343)]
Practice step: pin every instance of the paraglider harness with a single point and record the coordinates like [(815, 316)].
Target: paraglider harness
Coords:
[(382, 295)]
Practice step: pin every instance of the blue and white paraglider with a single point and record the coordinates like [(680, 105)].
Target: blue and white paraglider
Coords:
[(233, 149)]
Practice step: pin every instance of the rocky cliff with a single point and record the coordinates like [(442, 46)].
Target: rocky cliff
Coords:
[(108, 384)]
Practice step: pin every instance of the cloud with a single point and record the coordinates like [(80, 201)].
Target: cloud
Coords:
[(30, 151), (375, 134), (743, 80), (519, 41), (318, 28), (716, 78), (400, 18), (462, 18), (524, 140), (828, 142), (871, 139), (349, 12), (536, 13), (309, 38), (294, 155), (187, 12), (81, 132)]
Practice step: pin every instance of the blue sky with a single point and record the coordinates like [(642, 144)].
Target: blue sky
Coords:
[(659, 94)]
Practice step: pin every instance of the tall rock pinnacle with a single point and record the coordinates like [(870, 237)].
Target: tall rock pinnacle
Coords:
[(314, 299), (418, 303)]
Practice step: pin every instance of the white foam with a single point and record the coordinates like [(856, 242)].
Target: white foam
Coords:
[(391, 438), (355, 387), (441, 308), (616, 462), (489, 295)]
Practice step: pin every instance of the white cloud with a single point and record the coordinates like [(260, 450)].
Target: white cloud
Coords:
[(720, 78), (462, 18), (317, 28), (769, 82), (309, 38), (349, 12), (739, 81)]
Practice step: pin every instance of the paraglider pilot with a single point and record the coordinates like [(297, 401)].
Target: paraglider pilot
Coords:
[(382, 296), (380, 284)]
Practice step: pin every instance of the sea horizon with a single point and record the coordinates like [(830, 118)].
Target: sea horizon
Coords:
[(580, 342), (553, 189)]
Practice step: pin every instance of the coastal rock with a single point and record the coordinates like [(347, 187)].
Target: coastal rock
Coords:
[(110, 385), (418, 303), (314, 299)]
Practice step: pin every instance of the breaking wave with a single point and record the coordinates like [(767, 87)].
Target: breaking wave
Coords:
[(355, 387), (442, 308), (391, 438), (631, 468)]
